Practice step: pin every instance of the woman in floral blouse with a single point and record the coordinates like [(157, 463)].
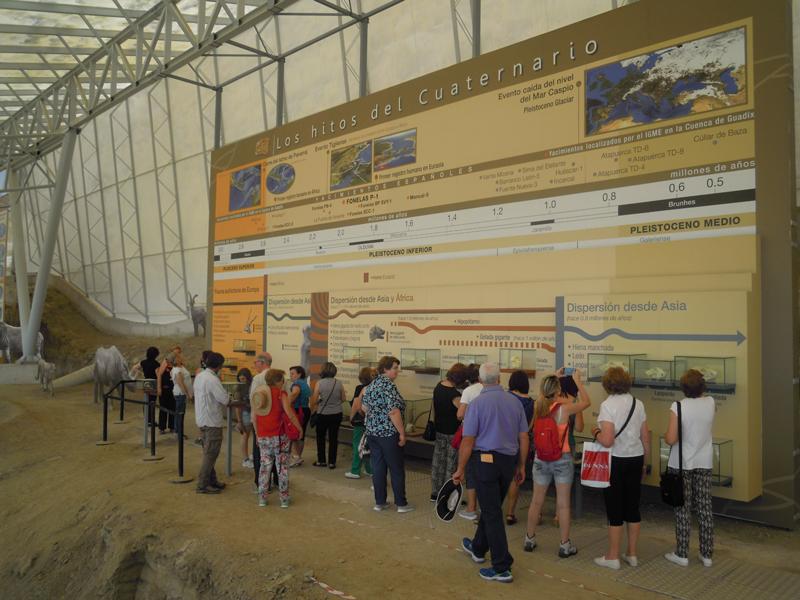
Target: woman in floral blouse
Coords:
[(386, 434)]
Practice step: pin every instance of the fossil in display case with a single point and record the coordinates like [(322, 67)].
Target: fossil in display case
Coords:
[(598, 364), (514, 359), (653, 373), (422, 361), (473, 359), (362, 355), (718, 372)]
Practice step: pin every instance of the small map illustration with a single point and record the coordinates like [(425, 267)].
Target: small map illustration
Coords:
[(280, 178), (396, 150), (690, 78), (351, 165), (245, 188)]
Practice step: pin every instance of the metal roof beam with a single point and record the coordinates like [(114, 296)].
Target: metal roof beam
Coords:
[(67, 31), (36, 66), (80, 51), (78, 9)]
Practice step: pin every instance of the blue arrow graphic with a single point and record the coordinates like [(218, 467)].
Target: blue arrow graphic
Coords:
[(738, 337)]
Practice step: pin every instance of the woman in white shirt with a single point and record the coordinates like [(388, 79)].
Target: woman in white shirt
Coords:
[(622, 426), (697, 419), (182, 389)]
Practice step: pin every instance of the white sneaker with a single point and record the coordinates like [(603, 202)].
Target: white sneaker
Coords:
[(707, 562), (350, 475), (405, 509), (469, 515), (631, 560), (380, 507), (678, 560), (602, 561)]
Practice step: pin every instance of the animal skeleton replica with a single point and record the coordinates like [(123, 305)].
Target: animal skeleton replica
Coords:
[(709, 374), (198, 314), (45, 375), (110, 367), (11, 341)]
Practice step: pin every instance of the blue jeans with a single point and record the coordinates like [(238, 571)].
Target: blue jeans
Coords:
[(385, 453)]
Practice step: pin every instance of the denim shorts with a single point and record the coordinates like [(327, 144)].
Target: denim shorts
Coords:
[(562, 470)]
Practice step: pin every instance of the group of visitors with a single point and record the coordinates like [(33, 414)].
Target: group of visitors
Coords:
[(496, 438), (496, 427)]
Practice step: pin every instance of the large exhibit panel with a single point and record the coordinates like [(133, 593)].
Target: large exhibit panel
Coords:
[(591, 197)]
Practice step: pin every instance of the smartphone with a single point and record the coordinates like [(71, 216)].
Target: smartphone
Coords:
[(568, 371)]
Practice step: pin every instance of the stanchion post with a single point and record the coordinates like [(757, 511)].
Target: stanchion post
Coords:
[(179, 414), (146, 413), (121, 421), (229, 444), (104, 441), (152, 457)]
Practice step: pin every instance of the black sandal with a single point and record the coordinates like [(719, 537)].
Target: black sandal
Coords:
[(319, 464)]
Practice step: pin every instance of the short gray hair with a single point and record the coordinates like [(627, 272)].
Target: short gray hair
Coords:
[(489, 373)]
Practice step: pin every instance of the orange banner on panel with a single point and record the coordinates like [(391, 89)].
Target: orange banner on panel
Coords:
[(247, 289)]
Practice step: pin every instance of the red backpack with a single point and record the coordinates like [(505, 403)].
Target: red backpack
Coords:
[(546, 440)]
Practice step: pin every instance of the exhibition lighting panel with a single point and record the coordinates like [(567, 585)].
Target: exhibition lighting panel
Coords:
[(702, 201)]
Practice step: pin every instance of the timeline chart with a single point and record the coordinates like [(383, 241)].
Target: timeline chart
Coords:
[(702, 200)]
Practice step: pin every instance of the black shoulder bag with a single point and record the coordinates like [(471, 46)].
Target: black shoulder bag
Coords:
[(429, 434), (312, 420), (672, 483)]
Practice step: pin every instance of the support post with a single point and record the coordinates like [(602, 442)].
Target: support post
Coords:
[(104, 441), (279, 94), (121, 405), (180, 412), (476, 27), (218, 118), (229, 443), (31, 332), (151, 406), (363, 26), (20, 258)]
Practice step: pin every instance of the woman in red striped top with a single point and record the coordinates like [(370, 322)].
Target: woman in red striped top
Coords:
[(269, 403)]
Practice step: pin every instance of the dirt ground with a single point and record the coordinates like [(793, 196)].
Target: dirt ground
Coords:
[(87, 521)]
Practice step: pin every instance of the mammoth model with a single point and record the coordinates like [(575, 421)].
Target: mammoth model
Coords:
[(198, 316), (11, 341), (110, 367)]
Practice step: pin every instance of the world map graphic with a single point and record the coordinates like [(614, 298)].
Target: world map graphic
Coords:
[(706, 74)]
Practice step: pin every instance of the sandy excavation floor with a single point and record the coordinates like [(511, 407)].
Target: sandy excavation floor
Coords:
[(86, 521)]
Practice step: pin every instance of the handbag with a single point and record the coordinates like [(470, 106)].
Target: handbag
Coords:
[(671, 484), (596, 459), (456, 441), (292, 432), (429, 434), (312, 420), (363, 447)]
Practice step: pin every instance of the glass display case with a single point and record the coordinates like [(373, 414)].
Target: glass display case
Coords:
[(364, 356), (427, 362), (247, 347), (470, 359), (514, 359), (416, 415), (721, 466), (653, 373), (597, 364), (719, 373)]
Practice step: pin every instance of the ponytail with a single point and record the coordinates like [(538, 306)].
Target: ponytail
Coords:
[(549, 390)]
